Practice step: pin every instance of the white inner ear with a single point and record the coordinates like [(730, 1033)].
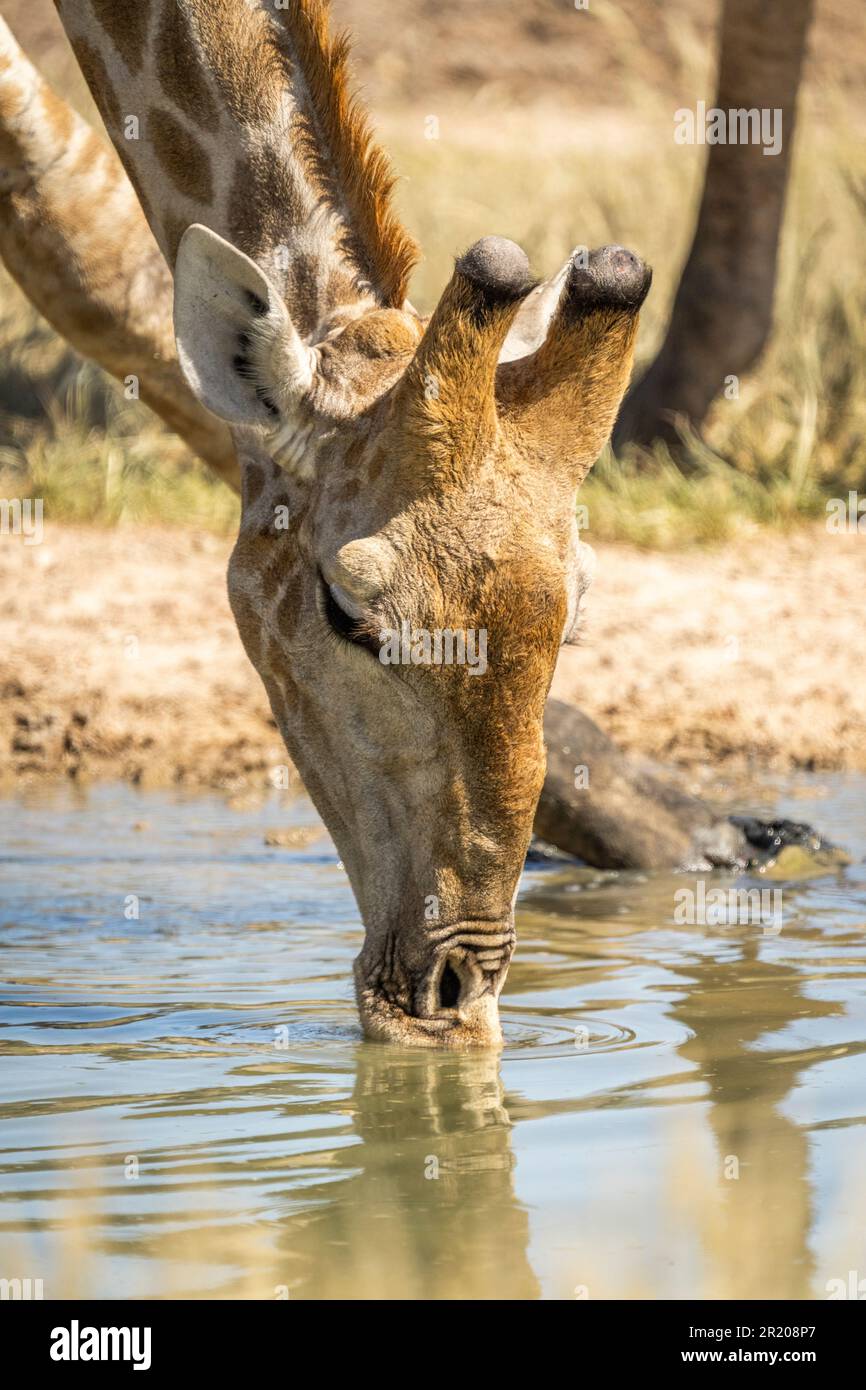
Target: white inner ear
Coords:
[(226, 310), (529, 329)]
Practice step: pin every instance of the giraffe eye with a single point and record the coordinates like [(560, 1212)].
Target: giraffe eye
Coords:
[(351, 626)]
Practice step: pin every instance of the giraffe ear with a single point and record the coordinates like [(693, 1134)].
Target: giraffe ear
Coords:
[(236, 343)]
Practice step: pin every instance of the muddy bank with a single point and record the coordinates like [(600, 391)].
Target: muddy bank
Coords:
[(748, 654), (119, 659)]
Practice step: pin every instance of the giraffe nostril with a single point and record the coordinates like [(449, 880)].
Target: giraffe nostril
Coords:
[(449, 987), (471, 970)]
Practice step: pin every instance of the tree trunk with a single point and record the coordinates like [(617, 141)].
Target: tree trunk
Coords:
[(624, 817), (722, 312), (615, 814)]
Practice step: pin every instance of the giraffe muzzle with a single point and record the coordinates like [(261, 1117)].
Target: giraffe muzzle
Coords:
[(452, 1001)]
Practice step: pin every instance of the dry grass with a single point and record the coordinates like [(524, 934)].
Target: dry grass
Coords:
[(796, 433), (69, 436), (795, 436)]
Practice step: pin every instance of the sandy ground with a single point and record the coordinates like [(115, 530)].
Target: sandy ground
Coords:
[(748, 653), (119, 658)]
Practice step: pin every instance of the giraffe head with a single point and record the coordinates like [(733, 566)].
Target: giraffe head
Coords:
[(407, 568), (407, 564)]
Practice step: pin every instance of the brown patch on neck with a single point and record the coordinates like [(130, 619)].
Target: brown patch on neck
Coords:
[(304, 292), (11, 98), (180, 69), (236, 43), (92, 64), (265, 202), (126, 26), (351, 168), (59, 114), (253, 483), (186, 162)]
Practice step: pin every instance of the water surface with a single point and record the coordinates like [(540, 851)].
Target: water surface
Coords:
[(187, 1107)]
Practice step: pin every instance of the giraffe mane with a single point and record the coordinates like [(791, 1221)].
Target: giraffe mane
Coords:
[(347, 160)]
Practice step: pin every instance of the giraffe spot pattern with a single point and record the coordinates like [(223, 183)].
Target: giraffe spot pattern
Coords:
[(58, 114), (254, 481), (182, 157), (92, 64), (266, 201), (137, 185), (180, 71), (126, 26), (238, 43)]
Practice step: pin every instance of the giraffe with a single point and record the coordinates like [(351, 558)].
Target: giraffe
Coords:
[(398, 473), (72, 233)]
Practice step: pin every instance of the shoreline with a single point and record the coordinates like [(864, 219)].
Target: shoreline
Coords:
[(119, 659)]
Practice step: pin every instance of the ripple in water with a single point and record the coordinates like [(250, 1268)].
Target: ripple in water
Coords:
[(214, 1043), (532, 1035)]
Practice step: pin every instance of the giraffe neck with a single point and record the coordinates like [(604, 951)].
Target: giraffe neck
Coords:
[(236, 115), (73, 236)]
